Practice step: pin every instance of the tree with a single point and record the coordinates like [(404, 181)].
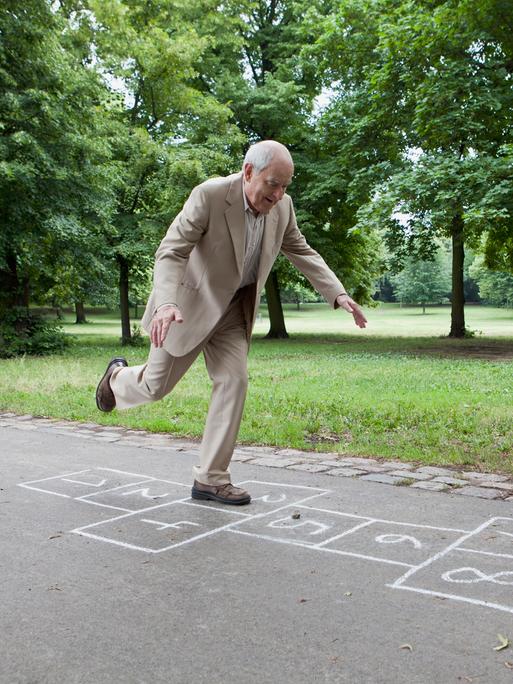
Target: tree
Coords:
[(423, 282), (151, 55), (55, 179), (495, 287), (426, 93)]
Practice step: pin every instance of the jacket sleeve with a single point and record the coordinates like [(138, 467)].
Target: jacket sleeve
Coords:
[(173, 253), (297, 250)]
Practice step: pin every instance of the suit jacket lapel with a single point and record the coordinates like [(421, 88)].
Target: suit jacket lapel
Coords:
[(236, 221)]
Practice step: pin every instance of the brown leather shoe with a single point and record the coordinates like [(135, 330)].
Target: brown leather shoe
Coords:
[(105, 399), (226, 493)]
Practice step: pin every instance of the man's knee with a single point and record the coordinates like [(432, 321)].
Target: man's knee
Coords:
[(235, 381)]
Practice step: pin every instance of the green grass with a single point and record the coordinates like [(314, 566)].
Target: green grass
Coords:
[(423, 398), (384, 320)]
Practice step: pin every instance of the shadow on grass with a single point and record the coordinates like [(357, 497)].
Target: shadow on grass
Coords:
[(489, 348)]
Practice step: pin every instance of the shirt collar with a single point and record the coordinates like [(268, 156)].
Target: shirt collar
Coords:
[(246, 203)]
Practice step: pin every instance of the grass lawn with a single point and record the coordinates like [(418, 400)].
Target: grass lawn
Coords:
[(331, 387)]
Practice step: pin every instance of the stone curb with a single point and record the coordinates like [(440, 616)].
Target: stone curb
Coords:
[(396, 473)]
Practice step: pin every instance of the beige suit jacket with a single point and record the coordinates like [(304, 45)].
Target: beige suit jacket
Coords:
[(198, 264)]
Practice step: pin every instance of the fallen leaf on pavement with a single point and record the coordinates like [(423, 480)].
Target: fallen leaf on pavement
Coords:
[(509, 664), (504, 643), (407, 647)]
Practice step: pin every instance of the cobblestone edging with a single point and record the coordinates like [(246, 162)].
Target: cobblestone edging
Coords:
[(398, 473)]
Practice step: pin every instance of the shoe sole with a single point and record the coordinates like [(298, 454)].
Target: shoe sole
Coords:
[(111, 363), (205, 496)]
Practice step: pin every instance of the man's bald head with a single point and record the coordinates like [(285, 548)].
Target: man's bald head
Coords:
[(261, 154), (267, 171)]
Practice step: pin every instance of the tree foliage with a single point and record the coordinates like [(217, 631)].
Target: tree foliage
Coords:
[(55, 178), (424, 113)]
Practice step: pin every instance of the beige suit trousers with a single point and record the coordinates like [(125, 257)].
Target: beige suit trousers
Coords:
[(225, 351)]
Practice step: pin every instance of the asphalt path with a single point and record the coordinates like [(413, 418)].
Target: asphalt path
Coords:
[(110, 573)]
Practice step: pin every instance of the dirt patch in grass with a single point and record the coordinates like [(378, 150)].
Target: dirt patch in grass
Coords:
[(461, 350)]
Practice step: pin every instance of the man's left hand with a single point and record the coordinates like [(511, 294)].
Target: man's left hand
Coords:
[(345, 302)]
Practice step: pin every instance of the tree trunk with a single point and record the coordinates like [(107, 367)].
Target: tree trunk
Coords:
[(126, 336), (276, 319), (458, 297), (11, 291), (423, 307), (80, 313), (26, 293)]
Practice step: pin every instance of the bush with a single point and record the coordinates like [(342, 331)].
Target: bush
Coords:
[(24, 333)]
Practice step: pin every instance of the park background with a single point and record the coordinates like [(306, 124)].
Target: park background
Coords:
[(399, 117)]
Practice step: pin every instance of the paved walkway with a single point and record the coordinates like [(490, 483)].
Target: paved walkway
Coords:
[(398, 473), (111, 574)]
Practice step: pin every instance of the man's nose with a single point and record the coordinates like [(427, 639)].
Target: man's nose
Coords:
[(278, 194)]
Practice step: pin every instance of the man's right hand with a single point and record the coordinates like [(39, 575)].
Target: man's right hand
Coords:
[(161, 322)]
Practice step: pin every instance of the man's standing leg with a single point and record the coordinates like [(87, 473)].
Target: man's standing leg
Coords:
[(225, 354)]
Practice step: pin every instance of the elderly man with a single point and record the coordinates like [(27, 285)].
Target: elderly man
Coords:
[(209, 271)]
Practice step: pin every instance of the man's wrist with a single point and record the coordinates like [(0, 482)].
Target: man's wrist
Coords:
[(162, 306)]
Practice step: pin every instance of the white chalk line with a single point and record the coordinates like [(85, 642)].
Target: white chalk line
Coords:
[(345, 534), (47, 491), (484, 553), (506, 534), (26, 485), (308, 545), (383, 520), (214, 508), (454, 597), (124, 472), (77, 530), (54, 477), (280, 484), (84, 497)]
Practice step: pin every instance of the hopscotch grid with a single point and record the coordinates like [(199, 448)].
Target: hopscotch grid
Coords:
[(399, 583), (442, 553), (306, 545), (79, 530), (235, 526)]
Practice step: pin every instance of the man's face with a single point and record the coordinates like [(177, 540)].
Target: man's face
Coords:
[(265, 189)]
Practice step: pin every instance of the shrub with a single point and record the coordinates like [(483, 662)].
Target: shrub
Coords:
[(22, 332)]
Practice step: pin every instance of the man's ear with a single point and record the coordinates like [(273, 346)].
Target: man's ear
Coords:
[(248, 171)]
